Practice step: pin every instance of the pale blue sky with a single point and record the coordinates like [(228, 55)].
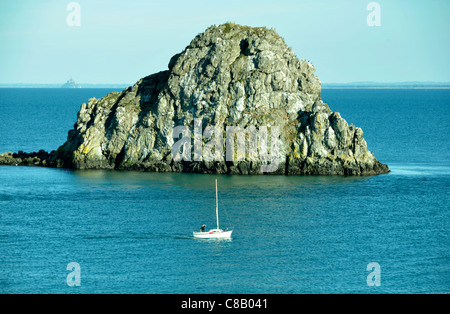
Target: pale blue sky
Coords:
[(122, 41)]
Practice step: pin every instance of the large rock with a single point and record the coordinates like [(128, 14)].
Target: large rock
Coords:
[(230, 75)]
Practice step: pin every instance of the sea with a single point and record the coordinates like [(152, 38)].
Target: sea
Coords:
[(124, 232)]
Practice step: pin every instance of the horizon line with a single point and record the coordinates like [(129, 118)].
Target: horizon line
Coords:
[(324, 84)]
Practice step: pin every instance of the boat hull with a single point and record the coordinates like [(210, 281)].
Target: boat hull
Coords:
[(213, 234)]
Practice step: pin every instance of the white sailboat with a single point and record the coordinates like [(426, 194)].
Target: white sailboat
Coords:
[(214, 233)]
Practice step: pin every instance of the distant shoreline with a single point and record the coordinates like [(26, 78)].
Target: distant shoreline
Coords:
[(58, 86), (399, 85), (385, 87)]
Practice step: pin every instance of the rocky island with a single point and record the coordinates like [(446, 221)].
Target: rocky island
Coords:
[(70, 84), (228, 76)]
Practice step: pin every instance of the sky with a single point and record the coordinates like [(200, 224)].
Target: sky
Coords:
[(118, 42)]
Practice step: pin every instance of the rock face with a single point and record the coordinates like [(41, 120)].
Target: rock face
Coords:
[(230, 75), (41, 158)]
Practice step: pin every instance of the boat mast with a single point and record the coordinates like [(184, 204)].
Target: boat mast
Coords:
[(217, 207)]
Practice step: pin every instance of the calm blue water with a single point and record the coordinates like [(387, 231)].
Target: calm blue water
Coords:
[(131, 232)]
